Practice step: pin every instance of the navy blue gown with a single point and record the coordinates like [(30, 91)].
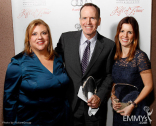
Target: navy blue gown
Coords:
[(32, 94), (129, 72)]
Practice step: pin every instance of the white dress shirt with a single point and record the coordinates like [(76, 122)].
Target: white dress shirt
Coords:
[(83, 45)]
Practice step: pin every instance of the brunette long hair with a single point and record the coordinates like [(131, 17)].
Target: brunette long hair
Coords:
[(135, 44)]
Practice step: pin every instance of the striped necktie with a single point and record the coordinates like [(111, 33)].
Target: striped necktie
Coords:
[(85, 58)]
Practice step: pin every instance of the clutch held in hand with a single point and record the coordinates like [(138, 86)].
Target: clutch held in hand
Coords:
[(125, 93), (89, 86)]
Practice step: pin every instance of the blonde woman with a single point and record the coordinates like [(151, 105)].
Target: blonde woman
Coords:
[(36, 81)]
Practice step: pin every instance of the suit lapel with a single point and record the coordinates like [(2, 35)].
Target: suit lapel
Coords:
[(97, 50)]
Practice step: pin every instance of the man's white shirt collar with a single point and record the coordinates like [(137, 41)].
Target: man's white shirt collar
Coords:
[(84, 39)]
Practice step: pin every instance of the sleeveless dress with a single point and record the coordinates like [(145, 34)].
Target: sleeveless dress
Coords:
[(129, 72)]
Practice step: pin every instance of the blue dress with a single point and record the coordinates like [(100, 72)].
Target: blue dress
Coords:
[(34, 95), (129, 72)]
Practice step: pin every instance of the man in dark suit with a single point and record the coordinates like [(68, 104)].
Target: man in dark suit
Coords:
[(87, 53)]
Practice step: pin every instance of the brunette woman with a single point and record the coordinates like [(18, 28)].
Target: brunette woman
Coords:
[(132, 67)]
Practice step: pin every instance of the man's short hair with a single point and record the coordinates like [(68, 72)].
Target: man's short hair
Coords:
[(93, 5)]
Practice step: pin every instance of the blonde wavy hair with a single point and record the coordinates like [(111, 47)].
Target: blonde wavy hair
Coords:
[(29, 30)]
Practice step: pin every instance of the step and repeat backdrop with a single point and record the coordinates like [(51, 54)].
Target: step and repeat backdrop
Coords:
[(63, 16)]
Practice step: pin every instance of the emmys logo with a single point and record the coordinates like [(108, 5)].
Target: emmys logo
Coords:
[(147, 110), (78, 26), (80, 2), (142, 119)]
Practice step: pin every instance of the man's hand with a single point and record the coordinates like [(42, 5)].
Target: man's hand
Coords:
[(94, 101)]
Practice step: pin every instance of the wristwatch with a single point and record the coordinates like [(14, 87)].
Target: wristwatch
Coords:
[(135, 105)]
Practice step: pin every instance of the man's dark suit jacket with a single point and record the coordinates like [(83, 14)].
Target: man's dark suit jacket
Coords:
[(100, 66)]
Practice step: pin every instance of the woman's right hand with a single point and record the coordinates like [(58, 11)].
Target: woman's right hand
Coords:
[(115, 103)]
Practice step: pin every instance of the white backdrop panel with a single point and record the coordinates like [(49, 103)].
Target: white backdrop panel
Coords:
[(63, 15)]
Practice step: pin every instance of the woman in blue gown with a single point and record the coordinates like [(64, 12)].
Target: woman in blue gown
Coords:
[(133, 67), (36, 82)]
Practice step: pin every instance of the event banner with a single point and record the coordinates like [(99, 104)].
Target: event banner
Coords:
[(63, 16)]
